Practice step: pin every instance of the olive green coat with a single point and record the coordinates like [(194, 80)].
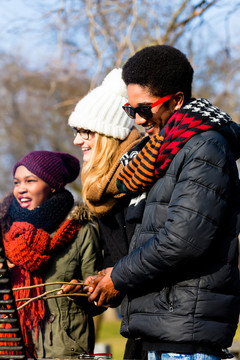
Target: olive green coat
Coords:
[(68, 328)]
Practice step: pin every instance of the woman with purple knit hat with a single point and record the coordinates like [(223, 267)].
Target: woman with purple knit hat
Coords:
[(49, 240)]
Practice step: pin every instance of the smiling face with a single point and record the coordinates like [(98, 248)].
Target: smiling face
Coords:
[(29, 190), (86, 145), (139, 95)]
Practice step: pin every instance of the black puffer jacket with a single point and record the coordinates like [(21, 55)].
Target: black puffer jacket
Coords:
[(182, 279)]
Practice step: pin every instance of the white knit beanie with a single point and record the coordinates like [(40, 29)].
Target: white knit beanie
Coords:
[(101, 109)]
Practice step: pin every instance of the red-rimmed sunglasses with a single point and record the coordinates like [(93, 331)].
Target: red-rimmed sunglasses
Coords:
[(145, 111)]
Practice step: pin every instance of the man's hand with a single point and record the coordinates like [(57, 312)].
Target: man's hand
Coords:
[(101, 289), (91, 282)]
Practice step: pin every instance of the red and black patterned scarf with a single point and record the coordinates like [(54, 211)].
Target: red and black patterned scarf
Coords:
[(155, 157)]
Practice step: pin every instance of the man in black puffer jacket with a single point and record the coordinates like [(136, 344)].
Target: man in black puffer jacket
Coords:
[(181, 278)]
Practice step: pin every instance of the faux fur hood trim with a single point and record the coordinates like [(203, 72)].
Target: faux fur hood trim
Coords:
[(80, 212)]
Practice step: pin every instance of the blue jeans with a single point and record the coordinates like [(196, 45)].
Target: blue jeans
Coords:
[(154, 355)]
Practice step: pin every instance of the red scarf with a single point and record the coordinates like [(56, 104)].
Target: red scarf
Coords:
[(29, 249)]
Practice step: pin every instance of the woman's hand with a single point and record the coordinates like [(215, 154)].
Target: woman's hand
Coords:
[(71, 289), (10, 264)]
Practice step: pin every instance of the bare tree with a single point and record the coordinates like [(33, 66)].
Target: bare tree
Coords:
[(34, 112), (114, 30), (96, 35)]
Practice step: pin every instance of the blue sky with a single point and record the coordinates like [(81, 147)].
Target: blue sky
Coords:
[(23, 31)]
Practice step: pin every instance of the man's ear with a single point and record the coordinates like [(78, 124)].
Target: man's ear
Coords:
[(178, 100)]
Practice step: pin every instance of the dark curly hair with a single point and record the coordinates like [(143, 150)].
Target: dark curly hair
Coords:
[(163, 69)]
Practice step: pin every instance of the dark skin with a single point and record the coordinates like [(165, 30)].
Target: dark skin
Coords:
[(100, 288), (139, 95)]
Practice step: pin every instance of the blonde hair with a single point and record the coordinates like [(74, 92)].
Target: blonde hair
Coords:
[(93, 171)]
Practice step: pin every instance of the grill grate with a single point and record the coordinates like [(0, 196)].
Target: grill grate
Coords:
[(11, 336)]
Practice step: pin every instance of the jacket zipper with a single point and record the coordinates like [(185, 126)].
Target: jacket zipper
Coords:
[(170, 300)]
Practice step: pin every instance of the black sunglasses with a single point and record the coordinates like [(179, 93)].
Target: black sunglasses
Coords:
[(145, 111)]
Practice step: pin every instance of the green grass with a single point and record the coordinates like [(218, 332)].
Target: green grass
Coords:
[(109, 333), (237, 335)]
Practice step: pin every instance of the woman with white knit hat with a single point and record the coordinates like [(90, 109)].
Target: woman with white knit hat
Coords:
[(105, 133)]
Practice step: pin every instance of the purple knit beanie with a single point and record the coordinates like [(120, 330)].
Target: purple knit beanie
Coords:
[(55, 168)]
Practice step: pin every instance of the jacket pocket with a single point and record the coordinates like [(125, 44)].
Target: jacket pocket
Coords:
[(50, 329), (165, 299), (80, 329)]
